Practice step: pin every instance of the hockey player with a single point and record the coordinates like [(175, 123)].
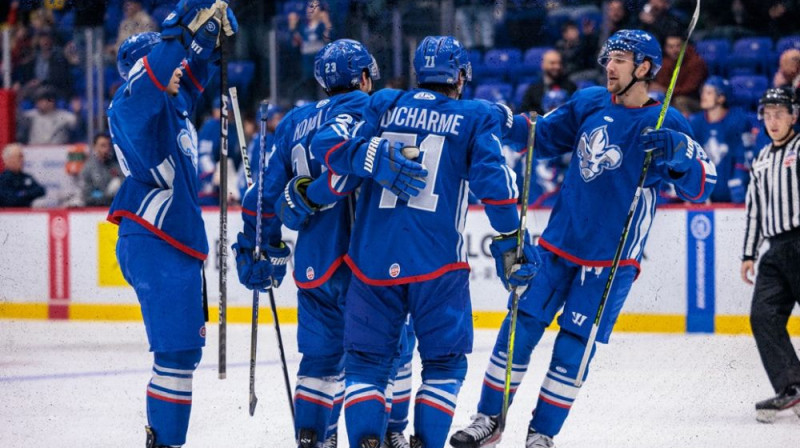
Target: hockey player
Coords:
[(346, 71), (726, 135), (407, 251), (604, 128), (162, 241), (208, 144), (773, 212)]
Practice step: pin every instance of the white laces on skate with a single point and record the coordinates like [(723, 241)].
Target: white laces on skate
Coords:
[(395, 440), (481, 427), (330, 442), (536, 440)]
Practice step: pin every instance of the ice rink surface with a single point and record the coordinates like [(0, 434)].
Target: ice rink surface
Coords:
[(82, 385)]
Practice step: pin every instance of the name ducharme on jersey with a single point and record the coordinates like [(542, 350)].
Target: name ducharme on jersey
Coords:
[(421, 118), (773, 197)]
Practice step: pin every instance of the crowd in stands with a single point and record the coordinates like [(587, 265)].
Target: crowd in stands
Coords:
[(522, 51)]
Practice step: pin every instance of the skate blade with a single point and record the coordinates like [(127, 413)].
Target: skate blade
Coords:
[(766, 415)]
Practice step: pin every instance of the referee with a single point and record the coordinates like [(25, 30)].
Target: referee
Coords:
[(773, 212)]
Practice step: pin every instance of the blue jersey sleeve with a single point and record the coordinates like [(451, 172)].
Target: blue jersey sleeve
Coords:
[(490, 178), (696, 184), (559, 129)]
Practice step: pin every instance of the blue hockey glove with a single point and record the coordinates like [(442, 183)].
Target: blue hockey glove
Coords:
[(205, 41), (254, 274), (675, 150), (278, 257), (385, 164), (512, 272), (188, 17), (293, 207)]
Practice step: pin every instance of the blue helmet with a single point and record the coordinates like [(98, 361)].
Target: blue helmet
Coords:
[(553, 99), (133, 49), (721, 85), (642, 44), (439, 60), (340, 64)]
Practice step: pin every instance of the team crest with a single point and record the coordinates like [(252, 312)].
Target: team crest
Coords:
[(310, 273), (187, 141), (597, 155), (394, 270)]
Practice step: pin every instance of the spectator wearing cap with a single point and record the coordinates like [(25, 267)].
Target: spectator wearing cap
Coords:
[(788, 73), (136, 21), (101, 177), (686, 96), (45, 124), (726, 135), (17, 188), (553, 78)]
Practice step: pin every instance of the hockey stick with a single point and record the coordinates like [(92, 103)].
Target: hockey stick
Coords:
[(237, 120), (523, 218), (223, 208), (256, 256), (629, 219)]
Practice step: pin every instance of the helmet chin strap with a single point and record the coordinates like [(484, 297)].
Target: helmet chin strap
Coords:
[(634, 80)]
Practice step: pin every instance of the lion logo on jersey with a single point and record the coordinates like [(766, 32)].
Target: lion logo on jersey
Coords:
[(597, 155)]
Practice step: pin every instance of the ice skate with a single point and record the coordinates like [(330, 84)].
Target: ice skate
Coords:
[(767, 410), (369, 442), (484, 431), (536, 440), (416, 443), (307, 438), (331, 442), (395, 440)]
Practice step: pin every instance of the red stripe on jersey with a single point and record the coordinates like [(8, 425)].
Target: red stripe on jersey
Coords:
[(330, 182), (318, 282), (328, 155), (488, 384), (499, 201), (702, 183), (434, 405), (171, 400), (152, 75), (191, 76), (404, 280), (375, 397), (313, 400), (249, 212), (117, 216), (560, 405), (589, 263)]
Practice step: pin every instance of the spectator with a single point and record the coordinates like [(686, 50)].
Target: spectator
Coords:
[(577, 53), (615, 18), (788, 73), (45, 124), (686, 96), (310, 36), (658, 18), (47, 66), (101, 177), (17, 189), (774, 18), (553, 77), (724, 134), (136, 21), (475, 23)]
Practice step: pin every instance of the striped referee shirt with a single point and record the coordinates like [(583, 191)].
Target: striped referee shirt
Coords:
[(773, 196)]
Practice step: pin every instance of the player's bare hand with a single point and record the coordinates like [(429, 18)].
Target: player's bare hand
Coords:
[(748, 271)]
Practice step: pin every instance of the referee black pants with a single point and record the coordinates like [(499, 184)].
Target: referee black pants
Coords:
[(777, 290)]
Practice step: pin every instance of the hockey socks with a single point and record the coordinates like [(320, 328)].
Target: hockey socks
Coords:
[(169, 395), (401, 398), (528, 333), (558, 390), (315, 400), (366, 411), (434, 407)]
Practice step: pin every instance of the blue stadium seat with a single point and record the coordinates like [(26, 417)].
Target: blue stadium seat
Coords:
[(747, 89), (715, 52), (494, 92), (750, 55), (497, 62), (588, 13), (786, 43), (531, 65), (240, 74), (555, 19)]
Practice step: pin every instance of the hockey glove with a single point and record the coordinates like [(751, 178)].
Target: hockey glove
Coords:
[(512, 272), (254, 274), (385, 164), (188, 17), (293, 207), (675, 150), (205, 41), (278, 257)]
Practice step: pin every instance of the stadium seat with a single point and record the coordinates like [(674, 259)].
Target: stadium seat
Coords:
[(715, 52), (588, 13), (786, 43), (747, 89), (531, 65), (494, 92), (555, 19), (497, 62), (240, 74), (750, 55)]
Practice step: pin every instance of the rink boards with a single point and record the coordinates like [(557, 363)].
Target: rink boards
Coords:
[(60, 264)]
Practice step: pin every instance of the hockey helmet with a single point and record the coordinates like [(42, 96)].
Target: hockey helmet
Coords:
[(721, 85), (553, 99), (642, 44), (439, 60), (340, 64), (782, 96), (133, 49)]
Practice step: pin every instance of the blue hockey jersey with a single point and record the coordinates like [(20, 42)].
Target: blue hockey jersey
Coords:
[(726, 142), (589, 214), (156, 145), (396, 242), (322, 244), (208, 146)]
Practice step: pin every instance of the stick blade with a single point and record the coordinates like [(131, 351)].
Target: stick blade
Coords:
[(253, 402)]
